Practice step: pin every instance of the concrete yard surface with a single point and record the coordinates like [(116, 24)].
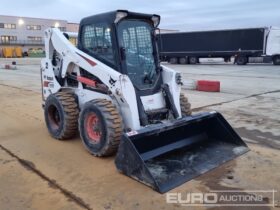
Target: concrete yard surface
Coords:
[(39, 172)]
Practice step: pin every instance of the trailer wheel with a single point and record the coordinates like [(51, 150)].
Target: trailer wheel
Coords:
[(185, 105), (173, 60), (61, 115), (226, 59), (183, 60), (276, 60), (193, 60), (241, 60), (100, 127)]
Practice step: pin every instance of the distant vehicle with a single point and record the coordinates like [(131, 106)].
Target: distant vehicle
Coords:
[(247, 45)]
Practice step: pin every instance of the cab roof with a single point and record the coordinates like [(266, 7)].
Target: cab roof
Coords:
[(110, 17)]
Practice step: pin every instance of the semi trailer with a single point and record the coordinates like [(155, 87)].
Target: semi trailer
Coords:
[(255, 45)]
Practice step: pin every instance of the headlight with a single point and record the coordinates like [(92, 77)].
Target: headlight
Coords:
[(120, 15), (178, 78), (156, 19)]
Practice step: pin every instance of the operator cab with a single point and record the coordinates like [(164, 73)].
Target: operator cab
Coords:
[(126, 42)]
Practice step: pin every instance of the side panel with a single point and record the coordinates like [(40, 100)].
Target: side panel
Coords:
[(169, 75), (49, 82), (85, 95), (273, 42), (127, 100)]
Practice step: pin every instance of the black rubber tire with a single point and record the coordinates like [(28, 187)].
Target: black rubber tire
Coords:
[(226, 59), (241, 60), (61, 115), (185, 105), (193, 60), (183, 60), (173, 60), (276, 60), (110, 127)]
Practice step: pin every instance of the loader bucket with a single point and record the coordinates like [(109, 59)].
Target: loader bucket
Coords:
[(164, 156)]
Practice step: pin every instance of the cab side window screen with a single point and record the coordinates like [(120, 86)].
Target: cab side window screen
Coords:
[(96, 39)]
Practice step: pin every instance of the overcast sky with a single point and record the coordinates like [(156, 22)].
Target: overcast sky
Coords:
[(185, 15)]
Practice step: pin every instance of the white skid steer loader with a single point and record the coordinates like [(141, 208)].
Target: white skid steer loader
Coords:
[(112, 88)]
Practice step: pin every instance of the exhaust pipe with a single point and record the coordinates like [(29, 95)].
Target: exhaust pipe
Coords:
[(164, 156)]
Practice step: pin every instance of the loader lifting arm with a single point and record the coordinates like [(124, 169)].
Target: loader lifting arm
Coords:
[(71, 60)]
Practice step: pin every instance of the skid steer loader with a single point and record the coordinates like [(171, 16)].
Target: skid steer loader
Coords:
[(113, 89)]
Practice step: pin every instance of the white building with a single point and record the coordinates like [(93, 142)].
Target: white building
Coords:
[(27, 32)]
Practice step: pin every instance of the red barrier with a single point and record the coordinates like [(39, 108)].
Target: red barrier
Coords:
[(208, 86)]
